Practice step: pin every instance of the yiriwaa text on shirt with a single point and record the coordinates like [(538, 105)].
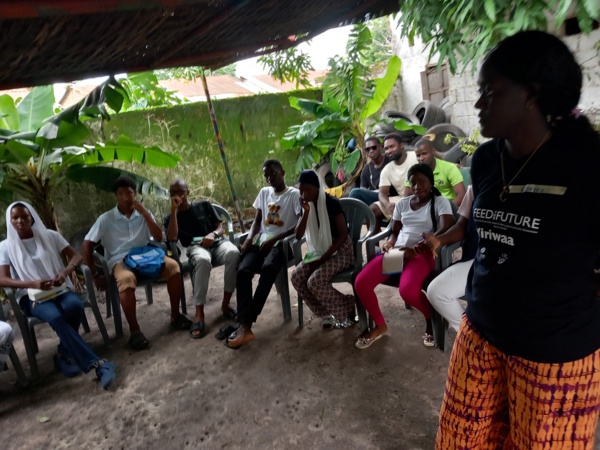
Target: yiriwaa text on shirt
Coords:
[(493, 236)]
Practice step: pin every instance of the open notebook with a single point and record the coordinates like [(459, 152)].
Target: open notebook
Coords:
[(41, 295)]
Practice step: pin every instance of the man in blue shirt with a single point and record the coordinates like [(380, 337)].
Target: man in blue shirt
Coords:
[(128, 225)]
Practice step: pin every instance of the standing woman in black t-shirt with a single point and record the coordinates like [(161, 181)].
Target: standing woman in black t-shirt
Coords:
[(524, 371)]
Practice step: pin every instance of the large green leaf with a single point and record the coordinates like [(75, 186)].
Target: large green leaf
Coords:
[(303, 104), (313, 107), (92, 106), (124, 149), (70, 135), (593, 8), (351, 161), (333, 122), (402, 125), (65, 155), (307, 158), (383, 88), (114, 97), (36, 107), (9, 116), (102, 177), (15, 151), (24, 136), (490, 9), (300, 135), (325, 143)]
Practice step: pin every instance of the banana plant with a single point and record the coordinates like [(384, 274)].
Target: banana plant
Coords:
[(351, 97), (39, 150)]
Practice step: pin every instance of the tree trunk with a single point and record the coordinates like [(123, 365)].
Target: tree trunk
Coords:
[(45, 209)]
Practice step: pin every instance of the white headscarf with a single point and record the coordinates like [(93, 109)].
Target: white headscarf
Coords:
[(318, 238), (46, 249)]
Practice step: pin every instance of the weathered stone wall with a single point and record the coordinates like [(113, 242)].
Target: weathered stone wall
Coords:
[(463, 85)]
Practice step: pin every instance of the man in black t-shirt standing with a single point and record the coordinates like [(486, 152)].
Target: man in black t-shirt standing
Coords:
[(198, 227), (368, 192)]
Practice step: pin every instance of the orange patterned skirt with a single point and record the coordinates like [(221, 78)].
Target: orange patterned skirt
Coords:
[(497, 401)]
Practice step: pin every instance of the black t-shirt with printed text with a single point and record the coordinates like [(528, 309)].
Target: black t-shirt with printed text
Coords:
[(530, 291), (197, 221), (370, 177)]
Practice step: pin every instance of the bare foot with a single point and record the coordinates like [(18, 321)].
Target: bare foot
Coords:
[(243, 335)]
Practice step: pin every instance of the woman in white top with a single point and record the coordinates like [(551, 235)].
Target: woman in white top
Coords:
[(426, 211), (30, 260)]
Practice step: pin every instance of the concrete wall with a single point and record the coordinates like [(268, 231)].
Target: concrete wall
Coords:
[(414, 60), (463, 86), (584, 48)]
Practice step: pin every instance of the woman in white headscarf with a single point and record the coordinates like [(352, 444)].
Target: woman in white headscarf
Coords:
[(29, 263), (329, 252)]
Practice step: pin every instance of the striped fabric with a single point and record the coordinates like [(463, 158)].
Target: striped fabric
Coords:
[(497, 401)]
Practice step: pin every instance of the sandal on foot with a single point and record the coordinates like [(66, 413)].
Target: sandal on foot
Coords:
[(230, 313), (65, 366), (343, 324), (365, 342), (181, 323), (247, 338), (428, 340), (226, 343), (105, 373), (198, 326), (226, 330), (329, 323), (138, 342)]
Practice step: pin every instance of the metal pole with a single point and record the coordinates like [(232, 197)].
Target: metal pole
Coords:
[(213, 118)]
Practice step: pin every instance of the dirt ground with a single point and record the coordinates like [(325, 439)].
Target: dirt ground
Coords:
[(290, 388)]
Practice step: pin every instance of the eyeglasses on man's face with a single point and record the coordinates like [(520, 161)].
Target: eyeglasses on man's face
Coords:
[(371, 148)]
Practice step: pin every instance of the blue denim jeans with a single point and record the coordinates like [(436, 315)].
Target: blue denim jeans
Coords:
[(63, 314), (364, 195)]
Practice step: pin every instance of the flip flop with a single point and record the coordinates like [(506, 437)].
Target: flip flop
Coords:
[(364, 342), (138, 342), (198, 326), (181, 323), (230, 314), (226, 330), (233, 336)]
